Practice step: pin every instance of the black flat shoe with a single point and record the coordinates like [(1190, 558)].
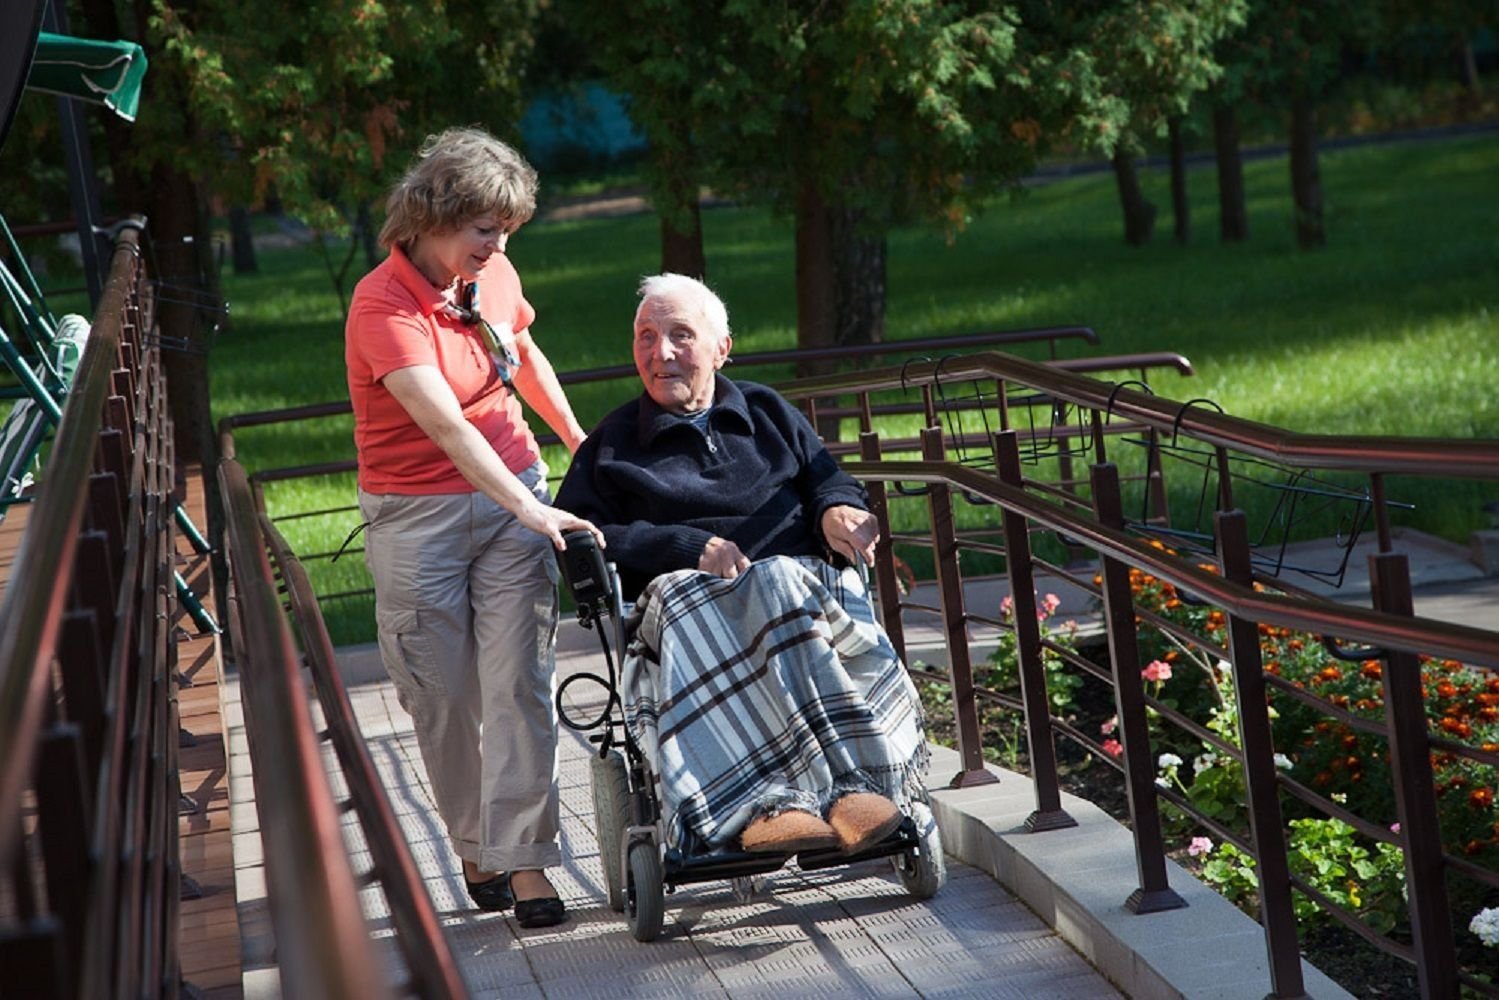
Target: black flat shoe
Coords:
[(493, 894), (545, 912)]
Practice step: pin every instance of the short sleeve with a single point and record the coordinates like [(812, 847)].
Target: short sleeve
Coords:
[(391, 340)]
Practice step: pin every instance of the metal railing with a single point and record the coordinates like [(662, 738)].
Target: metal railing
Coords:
[(1387, 638), (89, 875), (322, 940)]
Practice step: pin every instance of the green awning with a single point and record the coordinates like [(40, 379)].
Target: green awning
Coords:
[(107, 73)]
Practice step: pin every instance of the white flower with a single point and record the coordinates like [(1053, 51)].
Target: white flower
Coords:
[(1203, 762), (1169, 760), (1485, 924), (1283, 762), (1162, 783)]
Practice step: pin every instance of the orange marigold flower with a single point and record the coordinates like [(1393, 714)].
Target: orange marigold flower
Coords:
[(1452, 666), (1172, 604), (1273, 667), (1330, 673), (1295, 645), (1447, 689), (1457, 727), (1483, 798), (1340, 700), (1097, 579), (1350, 741), (1489, 747), (1492, 685), (1489, 714), (1473, 847), (1172, 655)]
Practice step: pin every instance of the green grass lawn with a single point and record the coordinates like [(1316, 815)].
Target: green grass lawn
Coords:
[(1392, 329)]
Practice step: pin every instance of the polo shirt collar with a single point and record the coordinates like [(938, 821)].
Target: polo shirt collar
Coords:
[(414, 281), (654, 421)]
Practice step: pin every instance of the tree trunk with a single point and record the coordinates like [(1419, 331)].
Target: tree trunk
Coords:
[(1181, 211), (178, 232), (1233, 220), (681, 216), (367, 236), (1306, 182), (241, 242), (859, 259), (1139, 214), (682, 249), (816, 318)]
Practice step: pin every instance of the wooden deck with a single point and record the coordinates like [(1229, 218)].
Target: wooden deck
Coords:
[(208, 941)]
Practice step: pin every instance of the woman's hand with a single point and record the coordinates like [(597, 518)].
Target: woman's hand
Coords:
[(851, 532), (552, 522), (722, 557)]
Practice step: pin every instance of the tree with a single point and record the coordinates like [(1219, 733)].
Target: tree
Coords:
[(1154, 56)]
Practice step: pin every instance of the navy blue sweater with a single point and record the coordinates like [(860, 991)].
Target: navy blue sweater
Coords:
[(660, 488)]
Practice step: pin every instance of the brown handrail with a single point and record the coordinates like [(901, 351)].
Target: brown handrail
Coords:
[(434, 972), (1477, 459), (322, 943), (995, 338), (1320, 617), (37, 593)]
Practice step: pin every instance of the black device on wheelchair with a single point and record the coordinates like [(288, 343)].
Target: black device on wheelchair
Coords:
[(638, 866)]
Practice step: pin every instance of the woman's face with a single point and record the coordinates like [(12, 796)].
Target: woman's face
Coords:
[(464, 251), (677, 353)]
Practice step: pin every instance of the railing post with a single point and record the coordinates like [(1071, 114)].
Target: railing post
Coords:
[(1415, 791), (884, 550), (1154, 894), (1049, 814), (1277, 910), (954, 623), (63, 792)]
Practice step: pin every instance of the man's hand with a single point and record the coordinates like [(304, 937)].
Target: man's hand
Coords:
[(850, 531), (722, 557)]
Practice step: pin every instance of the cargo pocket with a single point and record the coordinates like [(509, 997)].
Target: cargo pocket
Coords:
[(407, 651)]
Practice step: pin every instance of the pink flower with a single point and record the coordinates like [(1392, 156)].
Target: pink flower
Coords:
[(1051, 602), (1109, 724), (1007, 607), (1159, 670), (1394, 827), (1113, 748), (1199, 845)]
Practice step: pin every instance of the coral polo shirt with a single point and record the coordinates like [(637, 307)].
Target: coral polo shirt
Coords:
[(397, 319)]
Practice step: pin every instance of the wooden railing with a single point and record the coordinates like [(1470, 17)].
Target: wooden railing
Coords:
[(89, 876)]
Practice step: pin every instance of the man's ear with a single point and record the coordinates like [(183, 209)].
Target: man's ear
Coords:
[(724, 347)]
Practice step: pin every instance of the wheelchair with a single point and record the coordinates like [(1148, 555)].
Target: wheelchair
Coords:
[(640, 867)]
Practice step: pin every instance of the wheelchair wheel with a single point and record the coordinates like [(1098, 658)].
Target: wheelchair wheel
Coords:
[(923, 869), (611, 817), (645, 896)]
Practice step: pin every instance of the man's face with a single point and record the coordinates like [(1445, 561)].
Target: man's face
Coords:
[(677, 353)]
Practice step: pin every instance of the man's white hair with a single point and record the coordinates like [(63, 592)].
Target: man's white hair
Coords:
[(691, 291)]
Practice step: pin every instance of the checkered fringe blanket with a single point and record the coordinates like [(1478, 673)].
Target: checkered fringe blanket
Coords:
[(773, 690)]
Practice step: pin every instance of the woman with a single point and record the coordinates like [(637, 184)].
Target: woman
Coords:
[(453, 490)]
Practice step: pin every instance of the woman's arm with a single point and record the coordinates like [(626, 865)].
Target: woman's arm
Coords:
[(427, 397), (537, 384)]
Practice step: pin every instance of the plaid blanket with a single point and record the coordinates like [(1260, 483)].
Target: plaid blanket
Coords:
[(774, 690)]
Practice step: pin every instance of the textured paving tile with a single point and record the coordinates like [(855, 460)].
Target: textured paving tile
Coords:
[(846, 932)]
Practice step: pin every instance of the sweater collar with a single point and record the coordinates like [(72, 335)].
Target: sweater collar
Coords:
[(654, 421)]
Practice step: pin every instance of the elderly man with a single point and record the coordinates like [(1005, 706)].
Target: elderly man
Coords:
[(759, 683)]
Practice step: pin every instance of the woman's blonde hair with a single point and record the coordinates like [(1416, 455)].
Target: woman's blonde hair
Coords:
[(459, 174)]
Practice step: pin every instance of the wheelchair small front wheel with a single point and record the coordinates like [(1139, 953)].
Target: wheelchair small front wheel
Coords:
[(923, 869), (645, 895)]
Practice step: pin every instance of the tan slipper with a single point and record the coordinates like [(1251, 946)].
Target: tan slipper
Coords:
[(862, 819), (787, 832)]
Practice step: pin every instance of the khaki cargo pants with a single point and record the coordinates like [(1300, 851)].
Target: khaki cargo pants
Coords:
[(466, 603)]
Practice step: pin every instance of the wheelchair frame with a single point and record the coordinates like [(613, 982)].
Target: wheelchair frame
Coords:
[(639, 867)]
